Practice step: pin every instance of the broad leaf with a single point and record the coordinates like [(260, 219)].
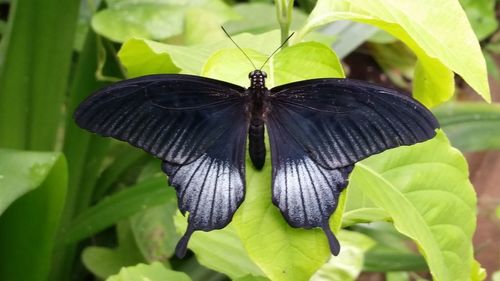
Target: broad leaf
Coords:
[(437, 31), (426, 191), (152, 272), (470, 126), (32, 193), (22, 172), (286, 66), (142, 57), (153, 19)]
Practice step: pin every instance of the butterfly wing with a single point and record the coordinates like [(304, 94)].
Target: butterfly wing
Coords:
[(327, 126), (196, 125)]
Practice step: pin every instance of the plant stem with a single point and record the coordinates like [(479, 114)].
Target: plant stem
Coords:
[(284, 15)]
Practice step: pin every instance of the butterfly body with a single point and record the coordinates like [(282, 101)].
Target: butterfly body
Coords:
[(318, 129), (257, 93)]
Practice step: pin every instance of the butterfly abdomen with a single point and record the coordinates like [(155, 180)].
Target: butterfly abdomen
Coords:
[(256, 144)]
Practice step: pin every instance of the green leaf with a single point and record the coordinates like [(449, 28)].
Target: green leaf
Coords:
[(438, 214), (383, 259), (220, 250), (392, 252), (37, 182), (34, 69), (481, 14), (22, 172), (349, 36), (470, 126), (153, 19), (282, 252), (208, 32), (155, 233), (478, 273), (396, 60), (104, 262), (119, 206), (260, 17), (142, 57), (425, 27), (348, 264), (286, 66), (152, 272), (397, 276)]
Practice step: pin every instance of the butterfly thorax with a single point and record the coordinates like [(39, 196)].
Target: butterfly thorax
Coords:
[(257, 93)]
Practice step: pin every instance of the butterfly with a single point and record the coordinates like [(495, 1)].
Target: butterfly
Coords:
[(200, 129)]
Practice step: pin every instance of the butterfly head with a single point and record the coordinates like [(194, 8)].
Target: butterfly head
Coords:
[(257, 78)]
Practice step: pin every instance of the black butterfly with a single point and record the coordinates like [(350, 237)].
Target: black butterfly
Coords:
[(318, 130)]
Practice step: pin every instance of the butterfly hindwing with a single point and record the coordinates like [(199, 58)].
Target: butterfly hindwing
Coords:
[(305, 192), (212, 187), (319, 129), (196, 125)]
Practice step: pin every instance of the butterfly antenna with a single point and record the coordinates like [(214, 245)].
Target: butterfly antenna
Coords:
[(277, 49), (223, 29)]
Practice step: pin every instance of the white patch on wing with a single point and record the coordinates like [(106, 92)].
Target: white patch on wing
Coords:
[(305, 192), (210, 190)]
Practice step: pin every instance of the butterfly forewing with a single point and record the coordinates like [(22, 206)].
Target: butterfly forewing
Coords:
[(197, 126), (338, 122), (174, 117), (319, 129)]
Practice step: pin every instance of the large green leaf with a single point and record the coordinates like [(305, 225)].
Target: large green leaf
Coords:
[(37, 182), (153, 19), (437, 31), (22, 172), (470, 126), (426, 191), (142, 57), (286, 66), (152, 272)]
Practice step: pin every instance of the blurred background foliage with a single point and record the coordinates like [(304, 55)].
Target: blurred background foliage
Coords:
[(89, 208)]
